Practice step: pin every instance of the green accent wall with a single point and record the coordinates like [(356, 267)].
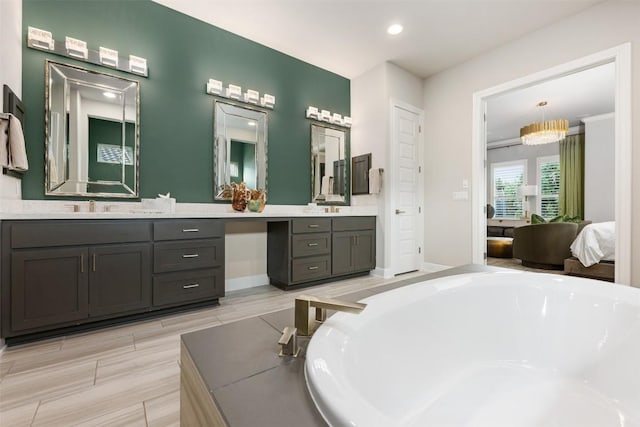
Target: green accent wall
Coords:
[(176, 115)]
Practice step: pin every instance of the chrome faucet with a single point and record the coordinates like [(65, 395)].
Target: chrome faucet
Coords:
[(305, 326)]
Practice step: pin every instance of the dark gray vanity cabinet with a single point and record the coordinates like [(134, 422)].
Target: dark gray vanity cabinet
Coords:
[(61, 273), (353, 244), (188, 262), (66, 273), (46, 287), (305, 251), (119, 278)]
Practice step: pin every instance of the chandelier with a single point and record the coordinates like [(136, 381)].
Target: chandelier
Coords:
[(544, 132)]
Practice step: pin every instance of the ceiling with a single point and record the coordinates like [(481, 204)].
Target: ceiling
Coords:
[(584, 94), (348, 37)]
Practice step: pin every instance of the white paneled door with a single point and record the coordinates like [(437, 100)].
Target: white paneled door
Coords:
[(405, 201)]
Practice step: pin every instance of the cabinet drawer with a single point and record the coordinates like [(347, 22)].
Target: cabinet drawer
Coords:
[(312, 268), (177, 288), (310, 225), (354, 223), (186, 255), (34, 234), (188, 229), (310, 244)]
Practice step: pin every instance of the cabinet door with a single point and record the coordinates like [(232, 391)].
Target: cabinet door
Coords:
[(341, 253), (120, 278), (363, 254), (48, 288)]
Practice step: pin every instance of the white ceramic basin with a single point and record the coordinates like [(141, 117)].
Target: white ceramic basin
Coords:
[(510, 349)]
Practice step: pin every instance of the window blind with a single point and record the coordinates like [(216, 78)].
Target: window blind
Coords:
[(506, 180)]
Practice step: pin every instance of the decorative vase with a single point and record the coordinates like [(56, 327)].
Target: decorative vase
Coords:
[(254, 205), (239, 196)]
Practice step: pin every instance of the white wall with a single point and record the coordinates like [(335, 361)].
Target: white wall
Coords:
[(371, 94), (599, 168), (11, 72), (448, 115)]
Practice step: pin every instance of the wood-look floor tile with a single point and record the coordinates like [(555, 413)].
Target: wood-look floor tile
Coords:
[(163, 411), (101, 399), (75, 349), (19, 416), (130, 416), (128, 363), (31, 349), (47, 382), (5, 366)]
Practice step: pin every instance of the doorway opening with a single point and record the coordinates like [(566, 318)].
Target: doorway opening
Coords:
[(619, 61)]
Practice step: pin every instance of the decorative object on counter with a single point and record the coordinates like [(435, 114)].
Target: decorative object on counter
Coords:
[(327, 116), (240, 196), (77, 49), (256, 201), (216, 88)]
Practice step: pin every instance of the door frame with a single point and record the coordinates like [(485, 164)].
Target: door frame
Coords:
[(621, 56), (390, 196)]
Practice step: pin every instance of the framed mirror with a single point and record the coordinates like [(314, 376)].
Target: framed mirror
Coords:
[(239, 148), (328, 165), (92, 133)]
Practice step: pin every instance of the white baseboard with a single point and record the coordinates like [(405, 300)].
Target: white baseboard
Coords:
[(385, 273), (246, 282), (430, 267)]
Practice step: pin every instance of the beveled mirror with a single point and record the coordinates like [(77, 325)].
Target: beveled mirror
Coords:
[(92, 133), (328, 165), (239, 148)]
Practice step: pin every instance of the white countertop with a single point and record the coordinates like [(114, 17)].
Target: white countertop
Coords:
[(44, 209)]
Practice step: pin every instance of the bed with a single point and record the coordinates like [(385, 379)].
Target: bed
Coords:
[(593, 252)]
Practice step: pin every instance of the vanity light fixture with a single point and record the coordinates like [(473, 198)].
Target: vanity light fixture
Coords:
[(216, 88), (326, 116), (76, 48), (251, 123), (109, 95), (137, 65), (40, 39), (108, 57), (268, 101), (252, 96), (234, 91), (313, 113)]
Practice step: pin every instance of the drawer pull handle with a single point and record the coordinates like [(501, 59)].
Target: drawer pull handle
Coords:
[(312, 244), (190, 230), (191, 286), (313, 226), (190, 256), (315, 267)]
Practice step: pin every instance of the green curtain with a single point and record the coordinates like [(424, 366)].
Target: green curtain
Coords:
[(571, 201)]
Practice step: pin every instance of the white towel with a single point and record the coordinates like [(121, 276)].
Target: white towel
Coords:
[(17, 149), (375, 180), (4, 142), (327, 185)]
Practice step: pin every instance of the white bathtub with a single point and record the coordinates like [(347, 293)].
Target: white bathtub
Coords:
[(510, 349)]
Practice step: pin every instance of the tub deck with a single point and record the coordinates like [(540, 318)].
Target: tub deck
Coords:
[(232, 375)]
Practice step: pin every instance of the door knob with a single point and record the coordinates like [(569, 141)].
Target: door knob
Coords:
[(398, 212)]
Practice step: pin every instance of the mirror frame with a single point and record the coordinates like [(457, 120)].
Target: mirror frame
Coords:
[(133, 193), (347, 163), (225, 194)]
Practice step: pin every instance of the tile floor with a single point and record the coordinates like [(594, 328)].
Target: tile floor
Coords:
[(127, 375)]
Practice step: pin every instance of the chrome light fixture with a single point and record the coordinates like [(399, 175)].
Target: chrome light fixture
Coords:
[(545, 131)]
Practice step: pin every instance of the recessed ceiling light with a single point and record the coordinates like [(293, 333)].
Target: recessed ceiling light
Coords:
[(395, 29), (109, 94)]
